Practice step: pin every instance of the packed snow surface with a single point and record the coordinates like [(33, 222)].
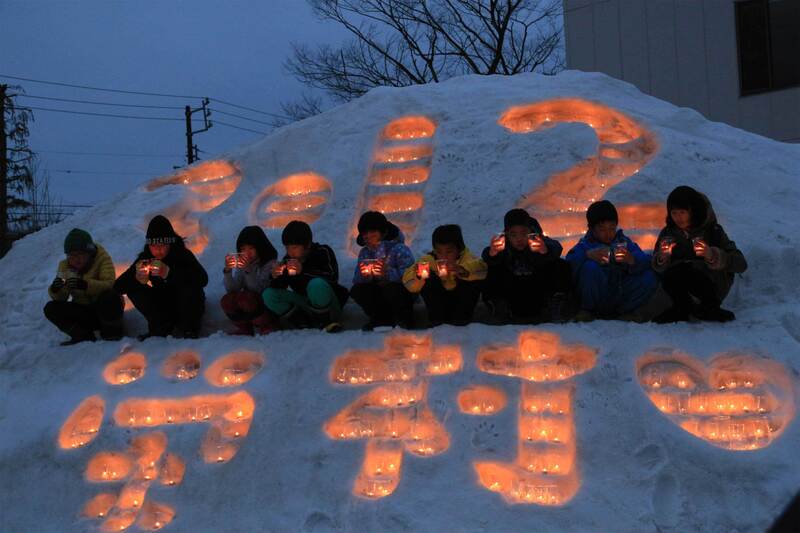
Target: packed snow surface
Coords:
[(637, 469)]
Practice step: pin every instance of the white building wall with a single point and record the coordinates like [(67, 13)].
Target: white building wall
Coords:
[(682, 51)]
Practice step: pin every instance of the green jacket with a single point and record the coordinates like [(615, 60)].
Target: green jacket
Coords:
[(99, 277)]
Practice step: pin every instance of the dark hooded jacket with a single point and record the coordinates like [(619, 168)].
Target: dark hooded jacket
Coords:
[(319, 262), (523, 262), (726, 261), (185, 271)]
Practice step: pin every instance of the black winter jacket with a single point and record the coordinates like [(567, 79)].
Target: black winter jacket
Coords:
[(184, 271), (522, 262), (727, 259)]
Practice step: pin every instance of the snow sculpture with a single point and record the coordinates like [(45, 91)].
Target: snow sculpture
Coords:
[(394, 416), (625, 147), (82, 425), (736, 402), (208, 185), (545, 471), (481, 400), (234, 369), (146, 461), (125, 369), (398, 174), (296, 197), (181, 366)]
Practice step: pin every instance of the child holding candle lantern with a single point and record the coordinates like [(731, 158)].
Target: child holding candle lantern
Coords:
[(448, 278), (696, 258), (612, 274), (166, 283), (304, 285), (377, 280), (246, 274), (527, 279), (86, 277)]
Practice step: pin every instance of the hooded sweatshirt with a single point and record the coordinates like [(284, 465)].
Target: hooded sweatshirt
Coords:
[(726, 258), (396, 256), (256, 276)]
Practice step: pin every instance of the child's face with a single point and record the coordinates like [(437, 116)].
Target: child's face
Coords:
[(78, 260), (605, 231), (681, 217), (249, 252), (448, 252), (517, 237), (296, 251), (372, 238), (159, 251)]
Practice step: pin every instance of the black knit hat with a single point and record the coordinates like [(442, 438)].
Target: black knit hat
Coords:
[(685, 197), (160, 231), (372, 220), (78, 240), (520, 217), (448, 234), (602, 211), (296, 232), (255, 237)]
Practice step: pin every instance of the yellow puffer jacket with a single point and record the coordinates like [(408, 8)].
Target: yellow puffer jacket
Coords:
[(475, 267), (99, 278)]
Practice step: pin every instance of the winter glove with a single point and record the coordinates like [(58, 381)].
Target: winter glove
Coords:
[(57, 285), (77, 284)]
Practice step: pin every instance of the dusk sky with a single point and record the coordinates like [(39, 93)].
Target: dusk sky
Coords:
[(231, 50)]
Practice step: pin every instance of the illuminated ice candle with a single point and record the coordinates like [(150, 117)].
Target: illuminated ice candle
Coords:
[(424, 270), (441, 267)]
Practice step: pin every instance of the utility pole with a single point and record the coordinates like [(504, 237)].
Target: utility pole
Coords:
[(3, 173), (191, 148)]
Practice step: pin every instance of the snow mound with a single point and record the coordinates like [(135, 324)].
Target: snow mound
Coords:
[(599, 426)]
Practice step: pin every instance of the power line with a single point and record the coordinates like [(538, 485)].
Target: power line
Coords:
[(237, 127), (165, 95), (111, 172), (99, 114), (273, 115), (99, 103), (215, 110), (113, 154)]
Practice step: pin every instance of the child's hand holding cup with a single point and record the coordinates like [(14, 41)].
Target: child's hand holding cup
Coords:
[(423, 270), (536, 243), (498, 244), (442, 268), (701, 249)]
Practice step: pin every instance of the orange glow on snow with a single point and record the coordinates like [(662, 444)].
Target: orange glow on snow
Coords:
[(736, 402)]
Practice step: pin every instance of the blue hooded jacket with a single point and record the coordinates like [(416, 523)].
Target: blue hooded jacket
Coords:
[(577, 255), (396, 255)]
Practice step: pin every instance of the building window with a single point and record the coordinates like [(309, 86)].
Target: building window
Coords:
[(768, 43)]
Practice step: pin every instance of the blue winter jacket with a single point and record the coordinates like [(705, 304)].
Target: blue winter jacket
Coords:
[(577, 255), (397, 258)]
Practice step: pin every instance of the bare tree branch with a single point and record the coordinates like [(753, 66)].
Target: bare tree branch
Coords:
[(408, 42)]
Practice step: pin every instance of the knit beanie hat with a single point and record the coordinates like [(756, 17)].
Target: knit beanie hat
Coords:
[(296, 232), (601, 211), (78, 240), (160, 231), (685, 197), (448, 234), (255, 237), (372, 220), (520, 217)]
